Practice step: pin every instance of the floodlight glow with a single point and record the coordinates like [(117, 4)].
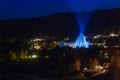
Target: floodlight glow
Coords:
[(81, 42), (82, 20)]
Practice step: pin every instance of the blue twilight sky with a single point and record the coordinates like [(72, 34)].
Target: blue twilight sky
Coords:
[(17, 9)]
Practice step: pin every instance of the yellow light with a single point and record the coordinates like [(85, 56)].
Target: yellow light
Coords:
[(112, 34), (34, 56), (29, 56), (95, 37), (37, 47), (46, 56)]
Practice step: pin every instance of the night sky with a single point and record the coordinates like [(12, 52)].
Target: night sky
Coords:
[(20, 9)]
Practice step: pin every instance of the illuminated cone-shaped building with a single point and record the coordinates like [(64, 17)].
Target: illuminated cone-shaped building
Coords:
[(81, 42)]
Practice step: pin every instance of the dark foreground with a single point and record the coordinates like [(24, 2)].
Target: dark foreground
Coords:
[(36, 71)]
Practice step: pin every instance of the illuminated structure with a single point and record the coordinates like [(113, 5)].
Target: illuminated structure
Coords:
[(82, 20), (81, 42)]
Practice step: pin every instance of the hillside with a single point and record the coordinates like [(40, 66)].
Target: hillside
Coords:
[(62, 24)]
